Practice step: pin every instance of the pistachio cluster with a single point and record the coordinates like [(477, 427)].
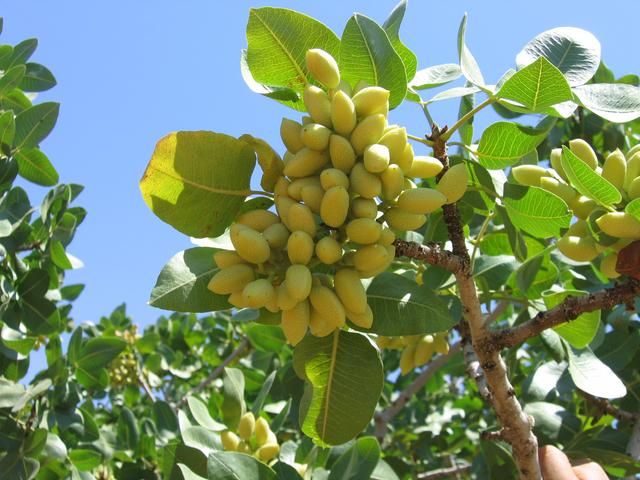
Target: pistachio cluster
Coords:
[(123, 370), (346, 186), (253, 437), (595, 230), (417, 350)]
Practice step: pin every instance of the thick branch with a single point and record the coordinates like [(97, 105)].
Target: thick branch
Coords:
[(473, 368), (242, 346), (445, 472), (430, 253), (383, 418), (516, 426), (569, 309)]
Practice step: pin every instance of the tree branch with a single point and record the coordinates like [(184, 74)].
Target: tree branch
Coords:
[(473, 368), (605, 406), (430, 253), (569, 309), (244, 344), (383, 418), (445, 472), (516, 425)]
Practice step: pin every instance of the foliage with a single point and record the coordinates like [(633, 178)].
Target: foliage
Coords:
[(169, 401)]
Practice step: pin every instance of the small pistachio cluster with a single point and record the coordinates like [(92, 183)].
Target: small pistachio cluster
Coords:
[(417, 350), (596, 230), (346, 185), (253, 437), (123, 370)]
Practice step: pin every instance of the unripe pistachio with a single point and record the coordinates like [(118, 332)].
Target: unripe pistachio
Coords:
[(246, 426), (298, 282), (268, 452), (251, 245), (392, 182), (306, 162), (424, 350), (387, 237), (424, 166), (608, 265), (582, 207), (276, 235), (318, 105), (615, 168), (529, 175), (633, 150), (315, 136), (323, 67), (634, 189), (285, 301), (300, 247), (619, 224), (580, 249), (364, 231), (335, 206), (237, 299), (226, 258), (328, 305), (365, 183), (362, 320), (453, 183), (390, 249), (376, 158), (350, 290), (300, 217), (561, 189), (371, 100), (584, 152), (405, 161), (290, 134), (364, 208), (343, 157), (406, 359), (441, 344), (580, 228), (421, 200), (295, 323), (370, 257), (282, 186), (262, 431), (400, 219), (283, 205), (343, 113), (295, 187), (367, 132), (258, 293), (328, 250), (332, 177), (312, 197), (555, 159), (395, 139), (258, 219), (633, 170), (229, 441)]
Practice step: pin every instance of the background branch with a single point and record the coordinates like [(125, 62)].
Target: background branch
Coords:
[(444, 472)]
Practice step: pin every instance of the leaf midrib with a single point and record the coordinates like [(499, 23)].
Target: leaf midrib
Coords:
[(222, 191), (334, 351)]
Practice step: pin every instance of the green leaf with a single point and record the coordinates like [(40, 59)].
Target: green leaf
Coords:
[(16, 340), (633, 208), (237, 466), (7, 128), (201, 414), (504, 143), (84, 459), (455, 92), (592, 376), (536, 211), (263, 394), (96, 378), (616, 102), (127, 433), (35, 166), (468, 64), (40, 315), (573, 51), (197, 181), (187, 473), (182, 283), (23, 51), (268, 159), (54, 447), (10, 393), (402, 307), (59, 256), (278, 40), (344, 377), (11, 79), (553, 423), (34, 124), (383, 471), (233, 406), (37, 78), (367, 54), (392, 27), (201, 439), (165, 419), (97, 352), (435, 76), (588, 182), (537, 86), (17, 467), (580, 331), (267, 338), (358, 462)]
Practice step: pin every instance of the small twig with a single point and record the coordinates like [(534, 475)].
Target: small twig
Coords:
[(383, 418), (424, 141), (569, 309), (444, 472), (216, 373), (605, 406), (145, 385), (465, 118), (430, 253), (493, 435), (497, 311)]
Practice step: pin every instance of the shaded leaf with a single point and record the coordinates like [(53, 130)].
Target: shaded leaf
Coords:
[(616, 102), (237, 466), (36, 167), (592, 376)]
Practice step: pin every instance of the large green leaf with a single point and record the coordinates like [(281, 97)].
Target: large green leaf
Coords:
[(85, 459), (587, 181), (37, 78), (358, 462), (392, 27), (197, 181), (592, 376), (504, 143), (11, 78), (575, 52), (616, 102), (97, 352), (402, 307), (537, 86), (182, 283), (435, 76), (468, 64), (35, 166), (34, 124), (344, 378), (553, 423), (278, 40), (233, 406), (237, 466), (580, 331), (200, 413), (536, 211), (366, 53)]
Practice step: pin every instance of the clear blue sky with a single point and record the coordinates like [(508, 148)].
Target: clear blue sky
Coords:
[(130, 72)]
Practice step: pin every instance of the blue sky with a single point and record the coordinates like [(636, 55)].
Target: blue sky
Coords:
[(129, 73)]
